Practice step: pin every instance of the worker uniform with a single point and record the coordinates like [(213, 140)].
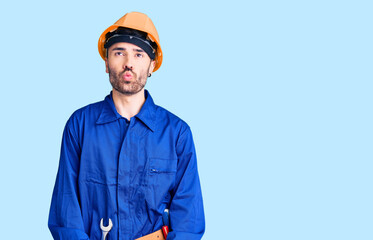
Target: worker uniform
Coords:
[(128, 171)]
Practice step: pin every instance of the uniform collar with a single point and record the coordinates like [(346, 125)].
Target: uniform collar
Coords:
[(146, 114)]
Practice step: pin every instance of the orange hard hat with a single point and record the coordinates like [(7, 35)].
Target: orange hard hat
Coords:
[(138, 21)]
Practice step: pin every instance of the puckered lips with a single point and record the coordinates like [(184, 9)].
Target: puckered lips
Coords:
[(127, 76)]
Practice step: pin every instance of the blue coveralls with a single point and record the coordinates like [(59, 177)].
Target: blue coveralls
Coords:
[(129, 171)]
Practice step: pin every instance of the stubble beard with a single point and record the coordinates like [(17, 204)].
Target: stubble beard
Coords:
[(128, 87)]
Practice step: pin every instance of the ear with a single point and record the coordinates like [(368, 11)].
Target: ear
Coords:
[(152, 66), (106, 66)]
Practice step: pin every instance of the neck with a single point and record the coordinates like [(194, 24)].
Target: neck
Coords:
[(128, 105)]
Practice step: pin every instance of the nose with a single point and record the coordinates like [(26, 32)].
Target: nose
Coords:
[(128, 63)]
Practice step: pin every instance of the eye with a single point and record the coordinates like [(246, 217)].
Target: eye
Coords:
[(118, 54), (139, 55)]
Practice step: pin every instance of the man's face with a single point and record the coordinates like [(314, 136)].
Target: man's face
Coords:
[(128, 67)]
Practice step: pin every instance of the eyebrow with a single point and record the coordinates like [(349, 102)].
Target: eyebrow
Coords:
[(118, 48), (123, 49)]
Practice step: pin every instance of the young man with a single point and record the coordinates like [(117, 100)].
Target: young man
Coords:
[(125, 160)]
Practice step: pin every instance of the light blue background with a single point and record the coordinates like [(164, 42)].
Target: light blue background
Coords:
[(278, 95)]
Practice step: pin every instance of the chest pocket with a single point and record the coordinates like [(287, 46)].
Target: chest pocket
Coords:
[(161, 178), (158, 165)]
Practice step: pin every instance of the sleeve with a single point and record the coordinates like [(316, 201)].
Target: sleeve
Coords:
[(187, 218), (65, 220)]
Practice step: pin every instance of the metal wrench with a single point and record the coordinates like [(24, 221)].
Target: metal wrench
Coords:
[(105, 230)]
